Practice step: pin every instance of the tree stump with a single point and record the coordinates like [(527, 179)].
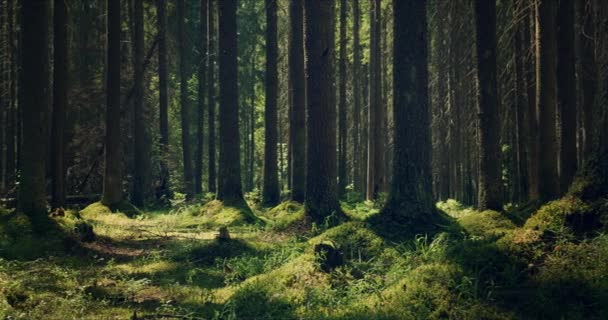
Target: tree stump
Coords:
[(328, 256)]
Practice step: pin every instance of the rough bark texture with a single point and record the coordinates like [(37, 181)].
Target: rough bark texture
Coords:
[(566, 88), (184, 103), (163, 114), (357, 170), (229, 177), (410, 199), (211, 134), (546, 85), (298, 100), (112, 182), (202, 93), (321, 185), (60, 102), (342, 145), (34, 101), (530, 63), (270, 189), (489, 126), (141, 167), (588, 75)]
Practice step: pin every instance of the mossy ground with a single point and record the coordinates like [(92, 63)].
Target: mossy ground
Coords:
[(167, 264)]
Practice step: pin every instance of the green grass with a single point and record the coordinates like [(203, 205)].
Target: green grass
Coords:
[(167, 263)]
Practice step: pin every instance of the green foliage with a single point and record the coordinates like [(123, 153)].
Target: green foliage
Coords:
[(487, 223)]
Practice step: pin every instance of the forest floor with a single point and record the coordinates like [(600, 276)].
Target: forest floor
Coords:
[(547, 262)]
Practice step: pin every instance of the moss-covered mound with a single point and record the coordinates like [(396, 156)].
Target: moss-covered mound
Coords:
[(286, 216), (486, 223), (97, 209), (353, 239), (216, 214), (569, 215)]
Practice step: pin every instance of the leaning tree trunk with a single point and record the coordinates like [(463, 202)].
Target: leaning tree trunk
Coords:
[(229, 177), (489, 125), (60, 102), (34, 101), (321, 189), (112, 182), (270, 190)]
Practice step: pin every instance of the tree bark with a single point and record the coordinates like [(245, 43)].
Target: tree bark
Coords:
[(321, 200), (112, 182), (546, 86), (357, 171), (298, 102), (211, 56), (375, 151), (270, 190), (588, 74), (342, 145), (489, 125), (35, 102), (229, 177), (184, 103), (163, 189), (202, 93), (60, 102)]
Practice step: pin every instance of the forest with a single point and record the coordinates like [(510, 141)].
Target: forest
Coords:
[(303, 159)]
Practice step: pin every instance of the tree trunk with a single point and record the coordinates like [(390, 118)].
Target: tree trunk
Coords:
[(270, 190), (163, 189), (202, 92), (60, 102), (321, 185), (522, 115), (112, 182), (11, 124), (566, 89), (375, 151), (35, 103), (530, 44), (212, 57), (357, 172), (342, 150), (588, 74), (546, 86), (489, 125), (410, 199), (141, 166), (229, 177), (184, 103), (298, 96)]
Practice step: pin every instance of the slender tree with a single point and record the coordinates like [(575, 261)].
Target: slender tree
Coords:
[(321, 200), (270, 190), (342, 145), (202, 93), (211, 57), (34, 101), (112, 182), (410, 197), (566, 93), (588, 73), (12, 106), (141, 181), (375, 151), (163, 97), (298, 100), (546, 88), (489, 126), (229, 176), (60, 101), (185, 106), (357, 141)]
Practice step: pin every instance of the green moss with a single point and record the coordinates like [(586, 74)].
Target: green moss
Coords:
[(454, 209), (285, 215), (486, 223), (216, 214), (560, 216), (353, 239), (97, 209)]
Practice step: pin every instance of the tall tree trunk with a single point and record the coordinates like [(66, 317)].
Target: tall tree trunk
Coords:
[(163, 98), (112, 182), (141, 166), (321, 185), (298, 100), (229, 177), (60, 101), (546, 86), (566, 89), (202, 93), (588, 74), (522, 129), (489, 125), (342, 150), (375, 151), (212, 57), (530, 45), (11, 132), (184, 103), (357, 172), (34, 100), (410, 199), (270, 190)]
